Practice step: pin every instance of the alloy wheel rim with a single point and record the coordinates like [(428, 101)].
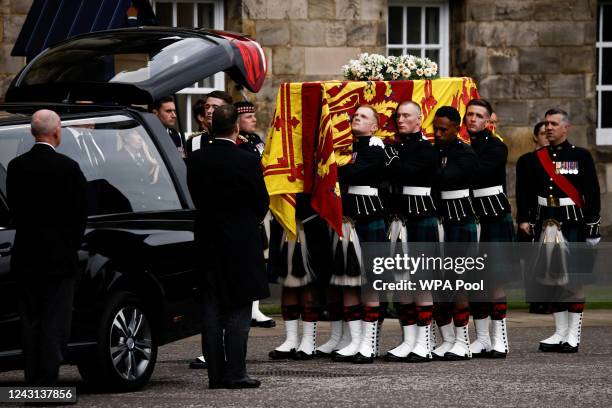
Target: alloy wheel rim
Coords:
[(130, 343)]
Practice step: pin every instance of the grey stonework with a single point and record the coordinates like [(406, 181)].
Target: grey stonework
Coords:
[(12, 15), (526, 56)]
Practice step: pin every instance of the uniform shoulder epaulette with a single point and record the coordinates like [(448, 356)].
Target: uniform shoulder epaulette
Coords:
[(200, 133), (243, 138)]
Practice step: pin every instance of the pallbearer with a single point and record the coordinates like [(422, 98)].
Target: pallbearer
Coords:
[(414, 219), (363, 222), (298, 265), (456, 165), (495, 218)]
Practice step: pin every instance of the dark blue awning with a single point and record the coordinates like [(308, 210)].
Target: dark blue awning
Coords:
[(51, 21)]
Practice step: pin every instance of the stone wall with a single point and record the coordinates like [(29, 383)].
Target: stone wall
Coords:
[(308, 40), (527, 57), (12, 16)]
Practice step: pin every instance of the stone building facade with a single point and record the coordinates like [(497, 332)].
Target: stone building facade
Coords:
[(526, 56)]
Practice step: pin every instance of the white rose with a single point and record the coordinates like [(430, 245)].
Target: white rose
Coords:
[(419, 72)]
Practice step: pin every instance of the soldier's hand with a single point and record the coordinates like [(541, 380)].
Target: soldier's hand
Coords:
[(525, 227)]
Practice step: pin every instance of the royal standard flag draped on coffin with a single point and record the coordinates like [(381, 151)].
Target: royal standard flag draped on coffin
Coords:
[(311, 135)]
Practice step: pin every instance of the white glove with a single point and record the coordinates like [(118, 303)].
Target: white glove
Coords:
[(376, 141), (592, 242)]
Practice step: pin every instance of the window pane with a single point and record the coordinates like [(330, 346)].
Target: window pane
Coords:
[(163, 11), (433, 55), (414, 51), (184, 15), (206, 16), (123, 168), (396, 19), (432, 25), (184, 105), (208, 82), (606, 66), (413, 25), (395, 51), (607, 23), (606, 109)]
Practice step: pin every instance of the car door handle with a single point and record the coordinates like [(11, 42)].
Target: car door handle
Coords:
[(5, 248)]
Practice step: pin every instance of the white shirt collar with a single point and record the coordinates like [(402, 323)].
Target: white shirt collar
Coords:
[(45, 143), (226, 139)]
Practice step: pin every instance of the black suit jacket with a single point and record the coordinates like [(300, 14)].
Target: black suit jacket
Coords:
[(227, 187), (47, 199)]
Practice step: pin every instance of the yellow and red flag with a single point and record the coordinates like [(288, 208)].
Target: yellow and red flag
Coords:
[(288, 159), (315, 117)]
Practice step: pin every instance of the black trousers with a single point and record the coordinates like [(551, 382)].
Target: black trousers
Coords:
[(225, 332), (45, 306)]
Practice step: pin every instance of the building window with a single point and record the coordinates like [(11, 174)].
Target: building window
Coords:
[(192, 13), (421, 29), (604, 77)]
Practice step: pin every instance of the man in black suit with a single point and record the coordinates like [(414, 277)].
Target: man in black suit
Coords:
[(227, 187), (47, 198), (165, 110)]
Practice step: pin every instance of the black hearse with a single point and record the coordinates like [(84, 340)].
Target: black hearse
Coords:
[(138, 279)]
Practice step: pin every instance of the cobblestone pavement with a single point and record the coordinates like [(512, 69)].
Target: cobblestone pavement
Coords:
[(526, 378)]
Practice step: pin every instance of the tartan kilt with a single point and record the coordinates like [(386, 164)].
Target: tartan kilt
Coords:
[(461, 232), (419, 230), (497, 230), (505, 267), (457, 232), (318, 236), (370, 230), (423, 229), (275, 264), (318, 245)]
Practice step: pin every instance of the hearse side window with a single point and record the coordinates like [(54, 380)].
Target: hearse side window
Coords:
[(123, 168)]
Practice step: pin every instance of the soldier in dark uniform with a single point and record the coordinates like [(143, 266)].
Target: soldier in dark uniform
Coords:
[(523, 166), (414, 220), (495, 218), (523, 209), (564, 199), (297, 265), (202, 112), (248, 139), (452, 180), (363, 222), (251, 142)]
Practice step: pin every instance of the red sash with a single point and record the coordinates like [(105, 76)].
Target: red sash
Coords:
[(561, 182)]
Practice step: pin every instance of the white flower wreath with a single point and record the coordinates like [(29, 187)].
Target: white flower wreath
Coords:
[(376, 67)]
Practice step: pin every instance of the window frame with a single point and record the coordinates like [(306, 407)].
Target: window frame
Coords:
[(219, 78), (444, 24), (603, 136)]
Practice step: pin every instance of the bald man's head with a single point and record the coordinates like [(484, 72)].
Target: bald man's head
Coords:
[(46, 127)]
